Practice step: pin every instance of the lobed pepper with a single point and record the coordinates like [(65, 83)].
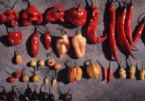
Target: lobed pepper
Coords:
[(31, 15), (55, 13), (79, 45), (76, 15), (14, 38), (63, 44)]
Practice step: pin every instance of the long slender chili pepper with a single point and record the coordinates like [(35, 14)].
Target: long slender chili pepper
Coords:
[(93, 25), (139, 30), (109, 73), (121, 16), (128, 21), (112, 40)]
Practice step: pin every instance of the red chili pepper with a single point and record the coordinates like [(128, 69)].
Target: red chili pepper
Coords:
[(14, 38), (31, 14), (47, 40), (104, 74), (76, 15), (128, 21), (93, 26), (123, 42), (35, 44), (139, 31), (3, 18), (55, 13), (112, 39), (17, 74), (109, 74), (11, 79)]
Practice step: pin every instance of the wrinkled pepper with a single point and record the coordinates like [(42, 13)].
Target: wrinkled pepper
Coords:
[(56, 13), (76, 15), (79, 44), (31, 15), (63, 44), (93, 25), (34, 44), (14, 38)]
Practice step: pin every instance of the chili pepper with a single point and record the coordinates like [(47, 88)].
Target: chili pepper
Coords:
[(104, 74), (93, 25), (79, 44), (128, 21), (11, 79), (112, 39), (121, 36), (47, 40), (34, 44), (63, 44), (139, 31), (109, 73), (55, 13), (3, 18), (76, 15), (10, 17), (14, 38), (17, 74), (31, 14)]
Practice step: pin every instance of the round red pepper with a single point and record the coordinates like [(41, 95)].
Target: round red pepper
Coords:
[(34, 44), (47, 41), (54, 14), (11, 79), (76, 15), (17, 74), (14, 38)]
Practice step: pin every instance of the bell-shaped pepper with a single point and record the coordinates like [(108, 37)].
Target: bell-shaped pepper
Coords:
[(31, 15), (62, 45), (14, 38), (56, 13), (79, 44), (76, 15)]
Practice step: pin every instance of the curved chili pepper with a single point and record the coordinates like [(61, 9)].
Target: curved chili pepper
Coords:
[(47, 40), (121, 32), (76, 15), (112, 40), (54, 14), (93, 25), (139, 30), (128, 20), (109, 74), (104, 74), (34, 44)]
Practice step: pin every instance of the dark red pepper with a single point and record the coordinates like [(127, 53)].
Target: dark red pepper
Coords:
[(121, 36), (76, 15), (139, 31), (3, 18), (93, 26), (34, 44), (128, 21), (104, 74), (47, 40), (111, 30), (17, 74), (11, 79), (31, 15), (55, 13), (14, 38)]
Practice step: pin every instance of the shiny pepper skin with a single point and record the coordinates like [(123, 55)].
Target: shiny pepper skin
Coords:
[(47, 41), (35, 44), (56, 13), (76, 15), (14, 38)]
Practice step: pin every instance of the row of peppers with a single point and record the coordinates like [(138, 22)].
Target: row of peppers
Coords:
[(119, 26)]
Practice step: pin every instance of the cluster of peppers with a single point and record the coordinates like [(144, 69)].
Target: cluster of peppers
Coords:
[(33, 95), (120, 26)]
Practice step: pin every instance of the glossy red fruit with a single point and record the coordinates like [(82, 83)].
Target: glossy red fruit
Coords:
[(11, 79), (17, 74)]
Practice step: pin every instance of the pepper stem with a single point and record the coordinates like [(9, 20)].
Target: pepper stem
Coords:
[(14, 4), (27, 2), (62, 30)]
